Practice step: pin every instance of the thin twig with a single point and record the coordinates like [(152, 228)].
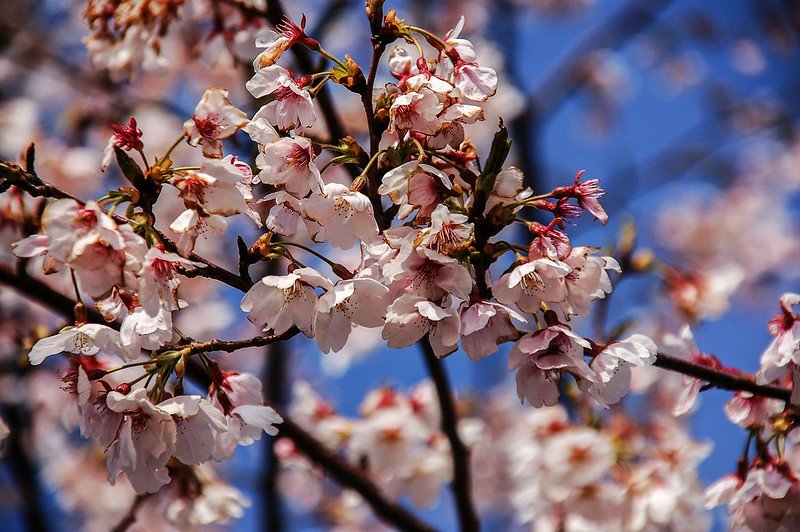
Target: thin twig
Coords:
[(130, 517), (229, 346), (378, 47)]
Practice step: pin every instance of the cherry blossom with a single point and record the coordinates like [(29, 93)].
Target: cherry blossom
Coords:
[(485, 325), (531, 283), (765, 500), (540, 359), (86, 339), (239, 397), (158, 280), (448, 233), (782, 353), (416, 111), (275, 43), (414, 185), (291, 107), (393, 222), (350, 302), (429, 274), (289, 162), (587, 280), (410, 317), (508, 190), (215, 118), (144, 443), (613, 367), (279, 301), (344, 217), (140, 330)]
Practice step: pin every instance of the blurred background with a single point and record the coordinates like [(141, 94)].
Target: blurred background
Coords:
[(687, 111)]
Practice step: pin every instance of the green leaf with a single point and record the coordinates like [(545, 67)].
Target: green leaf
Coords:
[(130, 169), (148, 188)]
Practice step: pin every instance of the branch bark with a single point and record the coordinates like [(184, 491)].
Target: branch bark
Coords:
[(722, 379), (461, 485), (23, 469)]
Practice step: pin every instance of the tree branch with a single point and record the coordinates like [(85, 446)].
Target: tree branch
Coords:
[(461, 485), (43, 294), (23, 470), (346, 474), (722, 379), (130, 518), (276, 381), (563, 80), (229, 346), (351, 477)]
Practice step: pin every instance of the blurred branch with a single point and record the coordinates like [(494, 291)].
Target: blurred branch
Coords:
[(691, 148), (275, 14), (24, 471), (42, 293), (276, 380), (130, 517), (330, 15), (461, 485), (525, 126), (350, 476), (346, 474), (564, 79)]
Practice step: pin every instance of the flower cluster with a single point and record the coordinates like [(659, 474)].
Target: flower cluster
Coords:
[(397, 439), (538, 465), (430, 274), (408, 230)]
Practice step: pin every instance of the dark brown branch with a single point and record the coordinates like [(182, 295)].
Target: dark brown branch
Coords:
[(461, 485), (41, 293), (23, 469), (229, 346), (337, 467), (130, 517), (721, 379), (378, 47), (276, 387), (351, 477), (634, 17)]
